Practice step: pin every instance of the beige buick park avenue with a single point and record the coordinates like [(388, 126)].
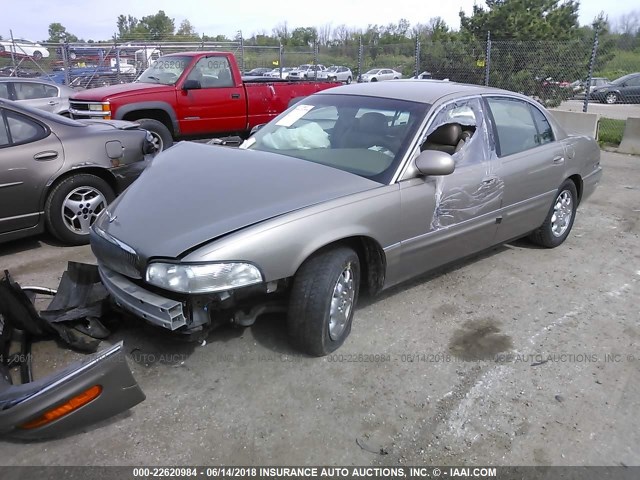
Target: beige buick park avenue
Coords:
[(351, 190)]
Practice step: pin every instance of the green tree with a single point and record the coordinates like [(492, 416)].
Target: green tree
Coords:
[(58, 34), (523, 20), (187, 32), (158, 26)]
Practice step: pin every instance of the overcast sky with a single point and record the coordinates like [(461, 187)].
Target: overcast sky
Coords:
[(97, 20)]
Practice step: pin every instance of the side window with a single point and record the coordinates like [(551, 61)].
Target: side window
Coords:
[(515, 126), (212, 72), (22, 129), (634, 82), (545, 132), (28, 90), (49, 91), (4, 90), (4, 136)]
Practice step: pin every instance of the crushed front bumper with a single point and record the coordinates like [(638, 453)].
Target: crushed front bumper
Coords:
[(153, 308)]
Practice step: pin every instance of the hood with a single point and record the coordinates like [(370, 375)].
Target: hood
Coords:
[(101, 93), (193, 193)]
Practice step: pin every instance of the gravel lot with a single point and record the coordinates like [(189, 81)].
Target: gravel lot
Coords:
[(497, 360)]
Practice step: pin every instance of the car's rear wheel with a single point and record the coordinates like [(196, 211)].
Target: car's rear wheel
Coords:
[(162, 138), (37, 55), (611, 98), (73, 206), (559, 221), (349, 80), (374, 79), (323, 299)]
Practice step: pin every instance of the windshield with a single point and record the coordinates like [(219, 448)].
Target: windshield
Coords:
[(367, 136), (621, 80), (165, 70)]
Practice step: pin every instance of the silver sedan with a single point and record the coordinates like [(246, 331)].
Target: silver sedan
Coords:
[(354, 189)]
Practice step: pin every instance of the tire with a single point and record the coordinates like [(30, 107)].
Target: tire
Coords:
[(553, 233), (89, 194), (2, 49), (312, 327), (374, 79), (611, 98), (37, 55), (162, 138), (349, 80)]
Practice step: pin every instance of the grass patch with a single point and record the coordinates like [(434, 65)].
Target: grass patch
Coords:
[(610, 131)]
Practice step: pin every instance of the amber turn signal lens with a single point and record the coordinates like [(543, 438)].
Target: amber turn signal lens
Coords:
[(66, 408)]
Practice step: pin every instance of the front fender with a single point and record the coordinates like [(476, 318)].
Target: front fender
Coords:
[(280, 245)]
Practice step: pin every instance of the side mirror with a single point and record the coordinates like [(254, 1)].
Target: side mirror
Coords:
[(435, 162), (256, 128), (191, 85)]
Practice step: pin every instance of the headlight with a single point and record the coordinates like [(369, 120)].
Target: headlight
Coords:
[(202, 278)]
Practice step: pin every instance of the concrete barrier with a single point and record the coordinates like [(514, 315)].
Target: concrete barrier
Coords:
[(578, 122), (631, 137)]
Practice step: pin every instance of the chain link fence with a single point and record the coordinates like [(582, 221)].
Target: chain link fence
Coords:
[(555, 73)]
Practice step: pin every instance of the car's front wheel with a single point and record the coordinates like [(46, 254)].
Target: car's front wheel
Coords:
[(162, 138), (323, 299), (73, 206), (559, 221)]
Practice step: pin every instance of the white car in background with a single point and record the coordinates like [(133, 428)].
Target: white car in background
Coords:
[(380, 74), (304, 72), (275, 73), (37, 93), (339, 73), (23, 48)]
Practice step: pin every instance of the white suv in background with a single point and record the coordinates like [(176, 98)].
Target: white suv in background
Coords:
[(339, 73), (308, 72)]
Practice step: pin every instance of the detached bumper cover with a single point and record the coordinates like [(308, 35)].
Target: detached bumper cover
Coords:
[(108, 369)]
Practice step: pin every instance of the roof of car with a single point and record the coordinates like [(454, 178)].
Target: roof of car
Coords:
[(424, 91), (28, 80)]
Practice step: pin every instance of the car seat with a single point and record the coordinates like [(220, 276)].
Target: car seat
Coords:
[(369, 130), (447, 138)]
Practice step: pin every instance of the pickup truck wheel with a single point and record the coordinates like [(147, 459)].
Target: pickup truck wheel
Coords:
[(323, 299), (559, 221), (162, 138), (73, 206)]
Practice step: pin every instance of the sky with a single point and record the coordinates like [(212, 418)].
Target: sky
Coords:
[(97, 20)]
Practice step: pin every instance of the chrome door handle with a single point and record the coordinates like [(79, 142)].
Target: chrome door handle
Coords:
[(558, 160), (52, 102), (50, 155)]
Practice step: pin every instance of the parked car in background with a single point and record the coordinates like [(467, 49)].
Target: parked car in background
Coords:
[(17, 71), (339, 73), (621, 90), (23, 48), (59, 174), (424, 76), (312, 72), (257, 72), (37, 93), (380, 74), (276, 73), (578, 86), (193, 95), (356, 188)]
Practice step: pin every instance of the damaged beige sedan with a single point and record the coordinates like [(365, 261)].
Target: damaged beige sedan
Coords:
[(356, 188)]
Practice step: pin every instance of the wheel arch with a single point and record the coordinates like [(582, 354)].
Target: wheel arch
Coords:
[(99, 172), (373, 261), (160, 111), (577, 180)]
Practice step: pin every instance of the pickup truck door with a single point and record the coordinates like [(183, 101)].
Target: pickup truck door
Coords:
[(215, 101)]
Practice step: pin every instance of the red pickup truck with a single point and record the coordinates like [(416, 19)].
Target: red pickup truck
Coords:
[(191, 95)]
